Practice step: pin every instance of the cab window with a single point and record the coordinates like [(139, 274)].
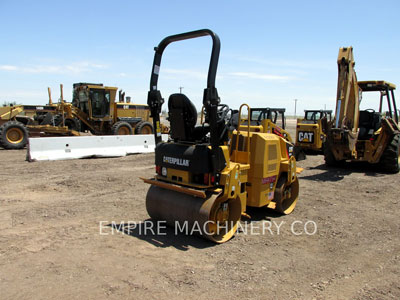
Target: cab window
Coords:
[(100, 100)]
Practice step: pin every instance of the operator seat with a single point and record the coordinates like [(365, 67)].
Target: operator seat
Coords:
[(182, 115), (369, 122)]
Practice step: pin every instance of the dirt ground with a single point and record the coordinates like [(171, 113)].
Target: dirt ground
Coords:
[(57, 238)]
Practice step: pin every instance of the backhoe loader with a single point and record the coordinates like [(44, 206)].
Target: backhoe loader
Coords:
[(362, 135), (200, 180)]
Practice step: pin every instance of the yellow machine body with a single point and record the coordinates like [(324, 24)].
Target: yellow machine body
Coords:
[(96, 107), (310, 130), (267, 126), (132, 110), (259, 172)]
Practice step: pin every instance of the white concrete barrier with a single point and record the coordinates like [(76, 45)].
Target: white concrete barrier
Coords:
[(59, 148)]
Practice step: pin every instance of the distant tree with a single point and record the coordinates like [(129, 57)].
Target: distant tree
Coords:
[(9, 103)]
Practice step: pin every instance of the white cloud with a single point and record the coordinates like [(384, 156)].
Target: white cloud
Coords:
[(266, 77), (76, 67), (8, 68)]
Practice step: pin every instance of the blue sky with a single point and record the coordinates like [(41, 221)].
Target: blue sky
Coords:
[(272, 52)]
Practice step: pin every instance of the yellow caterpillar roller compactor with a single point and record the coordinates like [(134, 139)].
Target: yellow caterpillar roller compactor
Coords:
[(202, 180), (362, 135)]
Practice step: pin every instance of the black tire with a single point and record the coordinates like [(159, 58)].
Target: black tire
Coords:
[(390, 160), (121, 128), (144, 127), (73, 124), (13, 135)]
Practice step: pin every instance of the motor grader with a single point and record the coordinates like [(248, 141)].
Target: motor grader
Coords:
[(362, 135), (17, 122), (93, 109), (310, 130), (200, 180)]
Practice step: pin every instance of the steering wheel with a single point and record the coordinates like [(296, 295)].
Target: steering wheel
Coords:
[(222, 112)]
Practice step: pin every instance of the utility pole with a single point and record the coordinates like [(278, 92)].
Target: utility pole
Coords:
[(180, 89), (295, 107)]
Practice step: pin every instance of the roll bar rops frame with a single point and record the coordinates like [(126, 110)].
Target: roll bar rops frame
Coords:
[(210, 96)]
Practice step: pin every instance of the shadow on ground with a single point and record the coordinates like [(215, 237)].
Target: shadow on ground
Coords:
[(160, 235), (339, 172), (163, 236)]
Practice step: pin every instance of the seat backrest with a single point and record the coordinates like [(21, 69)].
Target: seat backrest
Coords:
[(182, 117), (365, 119), (369, 122)]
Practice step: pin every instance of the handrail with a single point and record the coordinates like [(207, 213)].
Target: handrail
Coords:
[(238, 129)]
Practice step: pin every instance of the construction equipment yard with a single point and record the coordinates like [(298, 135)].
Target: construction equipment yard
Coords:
[(59, 237)]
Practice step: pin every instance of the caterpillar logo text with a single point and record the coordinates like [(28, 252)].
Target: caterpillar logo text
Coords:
[(176, 161), (306, 137)]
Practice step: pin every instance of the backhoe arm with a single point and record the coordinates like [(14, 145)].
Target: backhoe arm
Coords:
[(348, 99)]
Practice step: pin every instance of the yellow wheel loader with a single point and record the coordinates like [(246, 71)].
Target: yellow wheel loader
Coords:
[(310, 131), (269, 120), (200, 181), (272, 120), (362, 135)]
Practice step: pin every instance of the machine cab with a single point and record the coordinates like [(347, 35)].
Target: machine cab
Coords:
[(273, 114), (312, 116), (95, 100), (369, 119)]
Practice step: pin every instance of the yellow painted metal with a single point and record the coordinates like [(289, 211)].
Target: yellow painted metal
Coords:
[(316, 130), (348, 92), (125, 110), (376, 84), (9, 112), (267, 126), (14, 135), (49, 130), (123, 130), (258, 173), (285, 197), (242, 154)]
